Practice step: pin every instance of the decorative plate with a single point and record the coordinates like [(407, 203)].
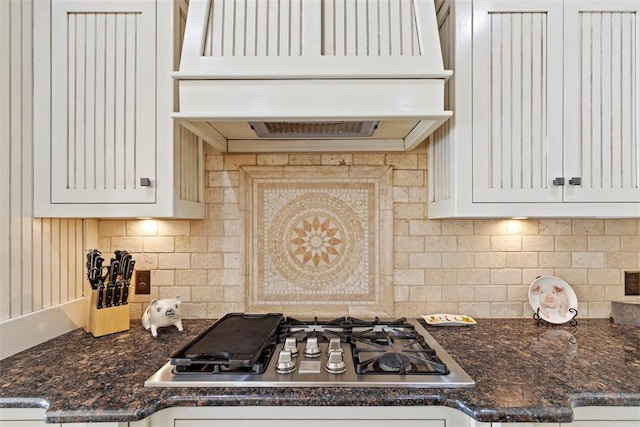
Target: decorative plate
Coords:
[(448, 319), (552, 298)]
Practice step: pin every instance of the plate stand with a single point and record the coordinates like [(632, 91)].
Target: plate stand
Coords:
[(540, 321)]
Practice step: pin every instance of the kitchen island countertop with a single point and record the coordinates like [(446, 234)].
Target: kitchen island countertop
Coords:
[(523, 373)]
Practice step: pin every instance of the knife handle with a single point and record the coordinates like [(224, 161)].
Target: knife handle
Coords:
[(109, 296), (116, 293), (125, 293), (100, 296)]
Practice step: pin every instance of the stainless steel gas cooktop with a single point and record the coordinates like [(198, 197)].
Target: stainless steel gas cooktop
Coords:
[(269, 350)]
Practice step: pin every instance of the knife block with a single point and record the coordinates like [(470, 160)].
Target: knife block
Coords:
[(106, 320)]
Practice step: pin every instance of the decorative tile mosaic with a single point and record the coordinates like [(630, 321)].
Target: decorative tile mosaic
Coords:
[(318, 238)]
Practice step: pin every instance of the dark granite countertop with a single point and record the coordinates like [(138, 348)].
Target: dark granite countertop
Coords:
[(523, 373)]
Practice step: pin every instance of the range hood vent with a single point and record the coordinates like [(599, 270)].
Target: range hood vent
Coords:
[(306, 130), (311, 75)]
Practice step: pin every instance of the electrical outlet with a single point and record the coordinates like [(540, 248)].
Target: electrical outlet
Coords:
[(632, 282), (143, 282)]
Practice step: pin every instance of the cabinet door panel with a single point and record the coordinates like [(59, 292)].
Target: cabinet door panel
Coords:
[(602, 78), (601, 423), (103, 101), (307, 422), (517, 104)]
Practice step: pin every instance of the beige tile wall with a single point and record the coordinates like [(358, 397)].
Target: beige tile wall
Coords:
[(479, 267)]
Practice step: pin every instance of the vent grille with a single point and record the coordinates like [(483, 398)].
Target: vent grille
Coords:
[(314, 129)]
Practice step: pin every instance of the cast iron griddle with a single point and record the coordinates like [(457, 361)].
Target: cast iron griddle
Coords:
[(236, 340)]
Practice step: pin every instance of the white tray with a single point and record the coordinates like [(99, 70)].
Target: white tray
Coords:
[(442, 319)]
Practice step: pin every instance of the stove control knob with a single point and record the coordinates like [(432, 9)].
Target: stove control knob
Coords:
[(291, 345), (312, 349), (335, 364), (285, 363), (334, 345)]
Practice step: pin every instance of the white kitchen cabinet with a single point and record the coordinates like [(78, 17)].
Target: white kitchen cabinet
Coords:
[(602, 100), (545, 97), (317, 416), (34, 417), (310, 423), (517, 69), (525, 424), (105, 144), (23, 417), (592, 416), (610, 416)]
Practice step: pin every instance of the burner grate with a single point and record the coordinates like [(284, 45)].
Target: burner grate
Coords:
[(394, 351)]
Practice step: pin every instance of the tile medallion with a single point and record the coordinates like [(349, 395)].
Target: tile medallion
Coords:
[(318, 238)]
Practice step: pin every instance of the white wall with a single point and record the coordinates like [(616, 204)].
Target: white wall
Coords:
[(40, 259)]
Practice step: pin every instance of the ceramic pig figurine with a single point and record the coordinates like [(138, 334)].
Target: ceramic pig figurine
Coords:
[(161, 313)]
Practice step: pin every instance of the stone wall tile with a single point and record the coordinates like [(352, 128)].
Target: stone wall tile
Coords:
[(458, 260), (158, 244), (506, 243), (490, 260), (474, 243), (174, 261), (588, 227), (457, 227), (587, 260), (603, 243), (131, 244), (425, 260), (425, 227), (111, 228), (490, 293), (556, 227), (506, 276), (440, 243), (191, 244), (538, 243), (555, 259), (622, 226), (524, 259), (474, 276)]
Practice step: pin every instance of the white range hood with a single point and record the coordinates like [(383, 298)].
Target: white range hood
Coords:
[(311, 75)]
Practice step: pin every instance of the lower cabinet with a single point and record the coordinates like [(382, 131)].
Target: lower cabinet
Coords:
[(318, 416), (592, 416), (610, 416), (309, 423), (23, 417), (525, 424)]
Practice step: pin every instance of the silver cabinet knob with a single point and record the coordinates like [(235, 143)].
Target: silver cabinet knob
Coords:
[(145, 182), (575, 180), (312, 349)]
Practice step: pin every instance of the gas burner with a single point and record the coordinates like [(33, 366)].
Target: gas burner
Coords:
[(303, 335), (393, 362), (384, 336), (381, 337)]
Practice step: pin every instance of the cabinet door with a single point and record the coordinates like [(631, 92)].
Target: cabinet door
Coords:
[(103, 79), (602, 91), (308, 422), (517, 100)]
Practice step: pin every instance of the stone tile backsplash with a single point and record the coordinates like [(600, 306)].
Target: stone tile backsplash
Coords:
[(412, 265)]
